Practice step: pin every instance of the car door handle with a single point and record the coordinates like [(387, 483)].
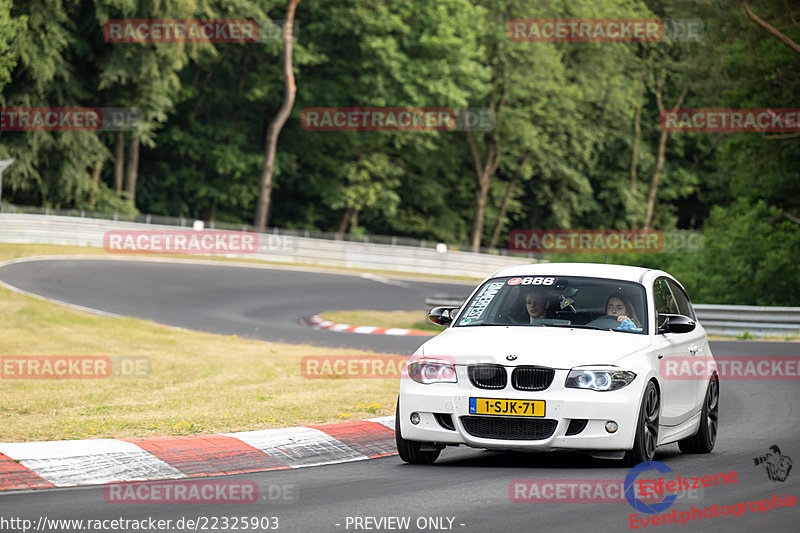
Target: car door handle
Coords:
[(693, 349)]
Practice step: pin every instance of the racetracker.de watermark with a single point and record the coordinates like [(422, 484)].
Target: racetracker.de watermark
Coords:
[(73, 366), (701, 367), (69, 119), (193, 242), (397, 119), (604, 241), (723, 120), (353, 366), (605, 30), (589, 490), (198, 492), (421, 368), (141, 31), (587, 240)]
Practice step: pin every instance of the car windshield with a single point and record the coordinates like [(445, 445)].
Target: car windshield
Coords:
[(558, 301)]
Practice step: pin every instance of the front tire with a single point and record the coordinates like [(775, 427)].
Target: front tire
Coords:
[(646, 440), (703, 441), (409, 450)]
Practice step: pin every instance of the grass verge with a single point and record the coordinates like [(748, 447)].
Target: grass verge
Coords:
[(199, 382), (384, 319)]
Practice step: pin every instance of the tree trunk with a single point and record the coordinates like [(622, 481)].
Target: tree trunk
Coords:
[(651, 195), (119, 162), (201, 93), (503, 208), (790, 217), (483, 173), (343, 224), (133, 168), (274, 129), (480, 212), (506, 198), (637, 129), (349, 219), (662, 148), (772, 30), (96, 173)]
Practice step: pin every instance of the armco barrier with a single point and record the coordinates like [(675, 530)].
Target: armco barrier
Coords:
[(716, 319), (443, 301), (76, 231), (755, 320)]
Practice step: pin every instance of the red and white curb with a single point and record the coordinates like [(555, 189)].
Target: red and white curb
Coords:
[(30, 465), (316, 322)]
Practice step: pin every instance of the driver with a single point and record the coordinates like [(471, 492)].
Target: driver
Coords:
[(536, 303), (620, 306)]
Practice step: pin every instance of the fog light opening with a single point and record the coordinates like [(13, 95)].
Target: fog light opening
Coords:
[(415, 418), (611, 426)]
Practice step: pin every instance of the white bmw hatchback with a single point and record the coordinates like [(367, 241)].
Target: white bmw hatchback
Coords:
[(562, 356)]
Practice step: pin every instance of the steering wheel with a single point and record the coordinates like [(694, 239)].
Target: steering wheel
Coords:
[(607, 321)]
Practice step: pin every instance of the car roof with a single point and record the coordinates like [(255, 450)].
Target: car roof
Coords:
[(592, 270)]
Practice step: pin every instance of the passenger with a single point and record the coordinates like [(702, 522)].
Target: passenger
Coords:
[(536, 303), (620, 306)]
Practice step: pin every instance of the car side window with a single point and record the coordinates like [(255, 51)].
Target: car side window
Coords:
[(665, 303), (682, 301)]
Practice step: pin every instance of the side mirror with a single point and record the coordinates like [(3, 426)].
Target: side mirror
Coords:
[(675, 324), (442, 316)]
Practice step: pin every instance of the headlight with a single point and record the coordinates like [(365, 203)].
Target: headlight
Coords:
[(600, 380), (431, 371)]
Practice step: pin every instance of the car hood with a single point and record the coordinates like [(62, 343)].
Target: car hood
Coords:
[(545, 346)]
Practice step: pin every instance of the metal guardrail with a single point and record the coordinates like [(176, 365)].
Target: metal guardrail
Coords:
[(283, 248), (734, 320), (287, 247), (754, 320), (442, 301), (230, 226)]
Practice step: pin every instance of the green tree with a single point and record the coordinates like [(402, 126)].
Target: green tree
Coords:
[(379, 54), (562, 110), (52, 168), (9, 29), (749, 257)]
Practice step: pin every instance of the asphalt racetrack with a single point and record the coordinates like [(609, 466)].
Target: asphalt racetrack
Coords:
[(466, 490), (263, 303)]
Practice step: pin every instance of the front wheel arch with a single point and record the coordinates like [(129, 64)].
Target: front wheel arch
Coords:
[(411, 451), (705, 438), (648, 417)]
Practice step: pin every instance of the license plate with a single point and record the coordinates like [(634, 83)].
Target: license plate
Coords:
[(493, 406)]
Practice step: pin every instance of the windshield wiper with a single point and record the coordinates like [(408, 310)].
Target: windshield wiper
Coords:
[(579, 326), (497, 324)]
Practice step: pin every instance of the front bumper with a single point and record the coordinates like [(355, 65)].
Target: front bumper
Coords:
[(562, 406)]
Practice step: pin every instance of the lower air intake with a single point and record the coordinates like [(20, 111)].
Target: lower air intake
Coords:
[(496, 427), (445, 420)]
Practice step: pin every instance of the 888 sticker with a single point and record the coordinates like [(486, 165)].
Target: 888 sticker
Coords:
[(531, 281)]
